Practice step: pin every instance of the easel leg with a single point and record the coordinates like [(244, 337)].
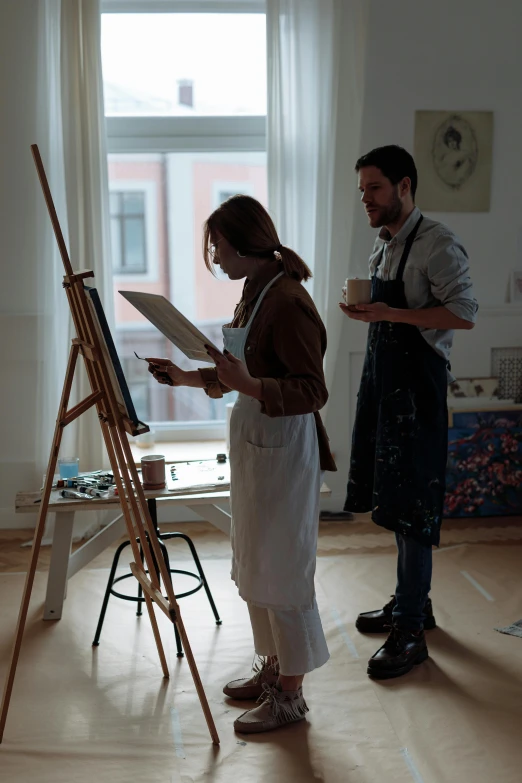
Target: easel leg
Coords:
[(37, 541), (125, 457), (195, 676), (112, 444), (157, 637), (92, 342), (57, 579), (22, 616)]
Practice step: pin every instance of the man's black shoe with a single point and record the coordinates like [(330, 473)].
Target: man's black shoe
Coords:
[(400, 653), (381, 620)]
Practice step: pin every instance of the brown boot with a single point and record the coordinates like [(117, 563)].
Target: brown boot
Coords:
[(252, 687)]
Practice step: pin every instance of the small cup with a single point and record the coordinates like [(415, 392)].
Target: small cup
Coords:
[(153, 471), (146, 440), (69, 467), (357, 291)]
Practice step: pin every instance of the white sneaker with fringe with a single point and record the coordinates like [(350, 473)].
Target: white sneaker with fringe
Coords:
[(251, 688), (277, 708)]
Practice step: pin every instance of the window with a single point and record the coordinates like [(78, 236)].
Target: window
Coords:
[(191, 183), (184, 64), (186, 130), (129, 253)]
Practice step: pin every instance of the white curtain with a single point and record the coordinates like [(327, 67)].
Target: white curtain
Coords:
[(72, 143), (316, 54)]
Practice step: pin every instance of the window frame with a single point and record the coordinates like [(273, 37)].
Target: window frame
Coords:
[(183, 6), (149, 190), (130, 135)]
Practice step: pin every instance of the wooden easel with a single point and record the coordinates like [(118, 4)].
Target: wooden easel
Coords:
[(115, 425)]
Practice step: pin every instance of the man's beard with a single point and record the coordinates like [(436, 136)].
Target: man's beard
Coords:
[(391, 213)]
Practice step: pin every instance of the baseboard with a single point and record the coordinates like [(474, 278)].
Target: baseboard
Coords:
[(9, 520), (334, 503)]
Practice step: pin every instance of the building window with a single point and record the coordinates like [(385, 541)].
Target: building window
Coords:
[(223, 190), (128, 232), (186, 130), (224, 195)]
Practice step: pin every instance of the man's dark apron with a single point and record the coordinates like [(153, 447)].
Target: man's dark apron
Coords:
[(400, 437)]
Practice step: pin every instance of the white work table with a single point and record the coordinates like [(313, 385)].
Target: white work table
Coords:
[(206, 502)]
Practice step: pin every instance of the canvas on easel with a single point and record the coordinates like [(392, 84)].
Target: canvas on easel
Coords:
[(110, 395), (119, 383)]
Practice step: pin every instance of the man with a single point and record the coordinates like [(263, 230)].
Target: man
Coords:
[(421, 293)]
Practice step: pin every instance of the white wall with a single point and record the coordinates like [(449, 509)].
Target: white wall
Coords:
[(446, 55), (19, 251)]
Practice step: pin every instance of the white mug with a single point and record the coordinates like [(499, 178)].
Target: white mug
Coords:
[(357, 291), (153, 471)]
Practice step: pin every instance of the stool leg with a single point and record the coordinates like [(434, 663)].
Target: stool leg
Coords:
[(179, 646), (140, 590), (107, 595), (202, 575)]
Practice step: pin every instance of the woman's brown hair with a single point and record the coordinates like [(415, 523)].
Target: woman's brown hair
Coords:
[(246, 224)]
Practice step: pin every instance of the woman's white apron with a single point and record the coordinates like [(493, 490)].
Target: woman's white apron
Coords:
[(275, 484)]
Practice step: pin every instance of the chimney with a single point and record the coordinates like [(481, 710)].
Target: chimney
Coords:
[(186, 92)]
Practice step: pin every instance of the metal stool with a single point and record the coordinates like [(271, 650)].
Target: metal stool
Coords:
[(200, 578)]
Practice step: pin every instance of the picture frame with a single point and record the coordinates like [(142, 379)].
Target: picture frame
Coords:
[(453, 153)]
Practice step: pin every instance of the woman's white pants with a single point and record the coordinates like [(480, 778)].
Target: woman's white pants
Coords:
[(295, 635)]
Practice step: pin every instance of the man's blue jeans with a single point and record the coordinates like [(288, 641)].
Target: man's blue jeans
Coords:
[(414, 567)]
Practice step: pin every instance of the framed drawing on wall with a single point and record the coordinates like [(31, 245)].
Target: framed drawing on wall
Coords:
[(453, 153)]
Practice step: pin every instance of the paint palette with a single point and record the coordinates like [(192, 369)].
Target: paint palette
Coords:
[(188, 477)]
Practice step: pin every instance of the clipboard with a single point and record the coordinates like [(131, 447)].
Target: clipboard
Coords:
[(171, 323)]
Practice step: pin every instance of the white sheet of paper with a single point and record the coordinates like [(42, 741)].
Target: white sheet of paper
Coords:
[(173, 324)]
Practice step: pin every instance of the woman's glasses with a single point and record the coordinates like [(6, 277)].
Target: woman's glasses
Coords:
[(213, 250)]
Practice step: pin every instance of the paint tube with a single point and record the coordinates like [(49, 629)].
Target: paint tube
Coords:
[(72, 493), (75, 483), (95, 492), (83, 486)]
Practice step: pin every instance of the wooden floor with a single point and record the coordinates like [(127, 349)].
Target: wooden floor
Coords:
[(81, 714), (14, 556), (361, 534)]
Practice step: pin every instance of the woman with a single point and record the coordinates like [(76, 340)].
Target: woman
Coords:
[(273, 356)]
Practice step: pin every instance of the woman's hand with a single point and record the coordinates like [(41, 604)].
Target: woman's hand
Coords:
[(165, 371), (234, 374)]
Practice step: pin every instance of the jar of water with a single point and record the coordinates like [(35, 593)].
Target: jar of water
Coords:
[(69, 467)]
